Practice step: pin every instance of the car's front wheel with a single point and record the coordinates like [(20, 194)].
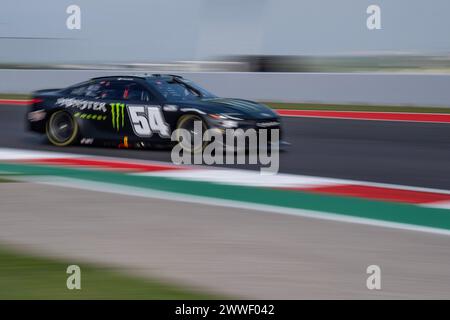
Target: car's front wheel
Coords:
[(62, 129), (194, 128)]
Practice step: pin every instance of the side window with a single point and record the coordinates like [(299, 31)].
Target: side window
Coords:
[(78, 91), (105, 90), (94, 91), (112, 90), (135, 92), (91, 90)]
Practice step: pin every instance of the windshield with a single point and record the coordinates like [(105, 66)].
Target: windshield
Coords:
[(179, 89)]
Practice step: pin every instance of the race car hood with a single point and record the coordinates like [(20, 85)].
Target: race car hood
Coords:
[(243, 109)]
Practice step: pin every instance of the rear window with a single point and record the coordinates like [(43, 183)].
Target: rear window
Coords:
[(79, 90)]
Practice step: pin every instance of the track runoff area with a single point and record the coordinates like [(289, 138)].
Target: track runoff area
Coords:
[(387, 205)]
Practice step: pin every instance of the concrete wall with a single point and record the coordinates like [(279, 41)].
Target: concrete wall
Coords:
[(366, 88)]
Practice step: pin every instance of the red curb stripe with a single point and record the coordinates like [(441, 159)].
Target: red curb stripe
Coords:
[(379, 193), (15, 102), (105, 164), (367, 115)]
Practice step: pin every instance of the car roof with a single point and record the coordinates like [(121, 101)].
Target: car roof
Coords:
[(154, 76)]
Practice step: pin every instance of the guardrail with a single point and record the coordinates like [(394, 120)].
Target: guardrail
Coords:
[(342, 88)]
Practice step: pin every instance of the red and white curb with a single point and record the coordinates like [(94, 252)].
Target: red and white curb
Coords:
[(436, 198)]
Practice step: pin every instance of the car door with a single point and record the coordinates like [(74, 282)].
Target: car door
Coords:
[(102, 115), (145, 113)]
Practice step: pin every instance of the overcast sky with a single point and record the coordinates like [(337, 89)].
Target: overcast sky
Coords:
[(168, 30)]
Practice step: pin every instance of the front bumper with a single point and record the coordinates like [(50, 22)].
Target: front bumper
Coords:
[(250, 134)]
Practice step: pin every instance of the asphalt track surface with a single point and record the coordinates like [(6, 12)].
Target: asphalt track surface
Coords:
[(415, 154)]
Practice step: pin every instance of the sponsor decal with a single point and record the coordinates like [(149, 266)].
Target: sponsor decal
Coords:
[(118, 115), (90, 116), (81, 105), (147, 119), (87, 141)]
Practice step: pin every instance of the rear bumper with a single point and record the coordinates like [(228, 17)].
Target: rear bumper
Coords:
[(36, 119)]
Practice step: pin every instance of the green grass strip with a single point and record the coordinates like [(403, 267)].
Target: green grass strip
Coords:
[(346, 206), (14, 96), (24, 276)]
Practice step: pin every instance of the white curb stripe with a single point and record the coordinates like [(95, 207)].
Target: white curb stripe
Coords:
[(19, 154), (438, 205), (246, 178)]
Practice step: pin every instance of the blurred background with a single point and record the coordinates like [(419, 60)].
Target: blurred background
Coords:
[(218, 35), (334, 52)]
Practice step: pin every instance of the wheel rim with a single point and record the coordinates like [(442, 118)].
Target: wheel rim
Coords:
[(62, 128), (188, 124)]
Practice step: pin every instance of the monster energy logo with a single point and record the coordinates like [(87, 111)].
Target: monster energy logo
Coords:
[(118, 115), (89, 116)]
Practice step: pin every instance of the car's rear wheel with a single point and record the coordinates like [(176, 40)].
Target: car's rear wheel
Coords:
[(62, 129), (195, 132)]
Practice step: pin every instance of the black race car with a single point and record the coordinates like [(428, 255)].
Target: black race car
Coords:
[(138, 111)]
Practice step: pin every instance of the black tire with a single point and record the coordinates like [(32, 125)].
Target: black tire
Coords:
[(187, 122), (61, 129)]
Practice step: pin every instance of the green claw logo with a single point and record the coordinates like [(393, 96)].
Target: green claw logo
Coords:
[(118, 115)]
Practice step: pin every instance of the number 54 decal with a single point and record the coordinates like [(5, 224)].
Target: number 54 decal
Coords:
[(148, 119)]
